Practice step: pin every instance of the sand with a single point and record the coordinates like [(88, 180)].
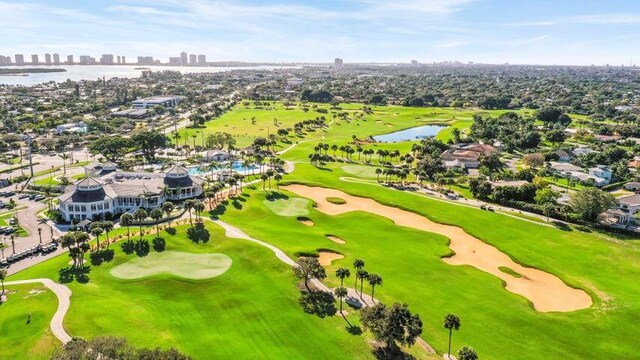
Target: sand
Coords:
[(306, 221), (546, 291), (327, 257), (336, 239)]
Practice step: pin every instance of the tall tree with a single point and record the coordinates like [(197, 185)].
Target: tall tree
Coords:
[(357, 264), (3, 275), (149, 142), (126, 219), (392, 325), (140, 215), (343, 273), (113, 148), (340, 292), (107, 226), (467, 353), (590, 202), (374, 280), (156, 215), (307, 269), (451, 322)]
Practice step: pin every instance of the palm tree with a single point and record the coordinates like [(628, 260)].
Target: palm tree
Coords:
[(343, 273), (2, 247), (277, 177), (167, 208), (378, 172), (358, 264), (107, 226), (126, 219), (156, 214), (3, 275), (264, 178), (140, 215), (341, 292), (64, 157), (451, 322), (374, 280), (188, 205), (96, 230), (362, 274), (198, 206)]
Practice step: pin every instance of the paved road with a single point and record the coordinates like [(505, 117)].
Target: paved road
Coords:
[(64, 301)]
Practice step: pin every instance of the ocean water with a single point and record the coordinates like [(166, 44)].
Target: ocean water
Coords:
[(94, 72)]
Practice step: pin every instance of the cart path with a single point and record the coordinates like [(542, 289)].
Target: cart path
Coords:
[(63, 293)]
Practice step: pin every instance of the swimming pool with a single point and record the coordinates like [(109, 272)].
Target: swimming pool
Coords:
[(238, 166)]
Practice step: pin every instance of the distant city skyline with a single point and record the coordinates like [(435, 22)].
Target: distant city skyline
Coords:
[(483, 31)]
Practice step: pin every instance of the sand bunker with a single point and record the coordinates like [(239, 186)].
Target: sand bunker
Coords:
[(327, 257), (546, 291), (336, 239), (305, 220), (181, 264)]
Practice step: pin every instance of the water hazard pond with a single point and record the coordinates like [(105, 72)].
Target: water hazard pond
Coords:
[(415, 133)]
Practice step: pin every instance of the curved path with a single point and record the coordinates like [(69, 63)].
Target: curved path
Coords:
[(545, 291), (64, 301)]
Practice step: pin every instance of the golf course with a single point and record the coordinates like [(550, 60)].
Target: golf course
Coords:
[(523, 289)]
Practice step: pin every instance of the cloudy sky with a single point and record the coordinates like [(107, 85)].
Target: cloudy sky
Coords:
[(492, 31)]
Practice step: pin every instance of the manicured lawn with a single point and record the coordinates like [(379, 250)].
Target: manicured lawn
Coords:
[(409, 262), (250, 310), (23, 339)]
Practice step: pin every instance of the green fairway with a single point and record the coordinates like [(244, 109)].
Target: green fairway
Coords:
[(24, 322), (252, 308), (180, 264), (410, 263)]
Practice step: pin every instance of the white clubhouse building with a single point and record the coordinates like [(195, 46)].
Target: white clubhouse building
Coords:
[(107, 191)]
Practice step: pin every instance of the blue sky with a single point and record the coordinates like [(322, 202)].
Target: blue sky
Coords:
[(491, 31)]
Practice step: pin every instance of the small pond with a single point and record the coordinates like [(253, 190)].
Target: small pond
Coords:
[(415, 133)]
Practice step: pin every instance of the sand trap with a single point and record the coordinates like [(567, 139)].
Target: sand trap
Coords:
[(327, 257), (546, 291), (336, 239), (181, 264), (305, 220)]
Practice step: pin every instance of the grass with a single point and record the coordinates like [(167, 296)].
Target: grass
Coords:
[(410, 263), (509, 271), (292, 206), (20, 339), (336, 200), (252, 308), (180, 264)]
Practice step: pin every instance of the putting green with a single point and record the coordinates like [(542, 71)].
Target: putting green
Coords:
[(293, 206), (362, 171), (181, 264)]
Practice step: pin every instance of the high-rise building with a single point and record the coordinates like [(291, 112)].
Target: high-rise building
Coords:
[(414, 62), (145, 60), (70, 59), (118, 59), (47, 59), (202, 59), (19, 59), (174, 60), (183, 58), (34, 59), (338, 62), (192, 59), (106, 59), (5, 60), (56, 59), (124, 60), (86, 60)]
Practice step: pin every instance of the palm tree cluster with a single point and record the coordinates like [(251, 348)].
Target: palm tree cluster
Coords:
[(100, 227), (194, 205), (362, 275), (78, 244)]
